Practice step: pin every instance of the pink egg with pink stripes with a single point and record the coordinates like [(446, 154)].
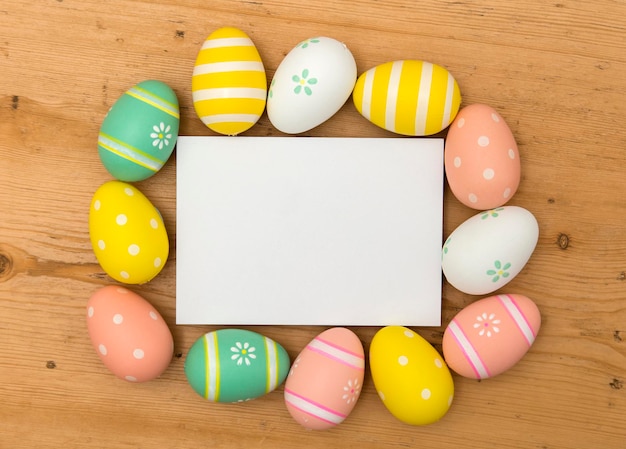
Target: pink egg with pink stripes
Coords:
[(491, 335), (325, 380)]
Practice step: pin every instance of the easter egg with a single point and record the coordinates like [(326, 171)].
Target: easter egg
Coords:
[(129, 335), (139, 132), (235, 365), (413, 98), (489, 249), (410, 376), (326, 379), (229, 85), (127, 233), (481, 158), (491, 335), (310, 85)]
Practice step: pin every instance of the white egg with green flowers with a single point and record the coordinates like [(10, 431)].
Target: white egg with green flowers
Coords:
[(489, 249)]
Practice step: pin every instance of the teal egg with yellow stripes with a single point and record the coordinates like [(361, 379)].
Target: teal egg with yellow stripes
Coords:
[(139, 132), (235, 365)]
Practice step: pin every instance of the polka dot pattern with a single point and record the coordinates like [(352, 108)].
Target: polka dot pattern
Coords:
[(410, 376), (127, 233), (481, 158), (130, 337)]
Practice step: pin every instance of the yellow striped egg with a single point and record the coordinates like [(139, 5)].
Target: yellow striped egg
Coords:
[(229, 86), (413, 98)]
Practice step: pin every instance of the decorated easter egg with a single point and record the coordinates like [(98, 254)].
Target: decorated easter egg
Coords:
[(139, 132), (127, 233), (413, 98), (235, 365), (491, 335), (489, 249), (229, 85), (481, 158), (326, 379), (310, 85), (410, 376), (129, 335)]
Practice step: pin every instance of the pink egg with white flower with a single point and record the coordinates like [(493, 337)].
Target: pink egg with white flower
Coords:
[(481, 158), (325, 380), (129, 335), (491, 335)]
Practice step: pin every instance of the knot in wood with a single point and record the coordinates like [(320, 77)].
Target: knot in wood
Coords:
[(6, 265), (563, 241)]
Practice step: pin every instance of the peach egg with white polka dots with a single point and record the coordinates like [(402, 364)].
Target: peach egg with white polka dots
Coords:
[(410, 377), (129, 335), (481, 158), (127, 233)]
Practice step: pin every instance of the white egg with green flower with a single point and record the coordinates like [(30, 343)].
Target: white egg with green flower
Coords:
[(310, 85), (489, 249)]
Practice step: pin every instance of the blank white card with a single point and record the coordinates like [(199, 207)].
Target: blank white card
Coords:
[(309, 231)]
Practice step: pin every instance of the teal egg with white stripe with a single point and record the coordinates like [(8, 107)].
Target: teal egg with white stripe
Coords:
[(139, 132), (235, 365)]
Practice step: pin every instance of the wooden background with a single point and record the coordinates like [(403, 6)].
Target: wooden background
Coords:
[(555, 70)]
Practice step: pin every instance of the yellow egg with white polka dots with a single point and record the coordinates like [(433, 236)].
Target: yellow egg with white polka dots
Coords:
[(127, 233), (410, 376)]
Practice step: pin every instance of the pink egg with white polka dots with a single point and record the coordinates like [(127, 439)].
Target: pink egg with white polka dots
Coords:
[(130, 336), (481, 158)]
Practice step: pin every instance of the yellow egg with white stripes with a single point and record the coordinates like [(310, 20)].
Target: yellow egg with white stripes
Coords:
[(413, 98), (229, 86)]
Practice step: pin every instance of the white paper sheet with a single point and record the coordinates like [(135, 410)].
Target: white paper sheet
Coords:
[(309, 231)]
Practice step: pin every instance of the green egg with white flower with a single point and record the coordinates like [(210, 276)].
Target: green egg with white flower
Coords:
[(235, 365), (138, 134)]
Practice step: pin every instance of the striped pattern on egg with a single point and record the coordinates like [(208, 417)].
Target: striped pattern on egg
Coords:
[(413, 98), (229, 85), (235, 365), (139, 132), (491, 335), (325, 380)]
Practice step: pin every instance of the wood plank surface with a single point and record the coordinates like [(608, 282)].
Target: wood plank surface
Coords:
[(554, 70)]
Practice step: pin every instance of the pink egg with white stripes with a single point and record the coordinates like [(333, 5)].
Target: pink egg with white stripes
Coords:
[(491, 335), (325, 380)]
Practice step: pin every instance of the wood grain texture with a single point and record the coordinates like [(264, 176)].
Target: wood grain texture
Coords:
[(554, 70)]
